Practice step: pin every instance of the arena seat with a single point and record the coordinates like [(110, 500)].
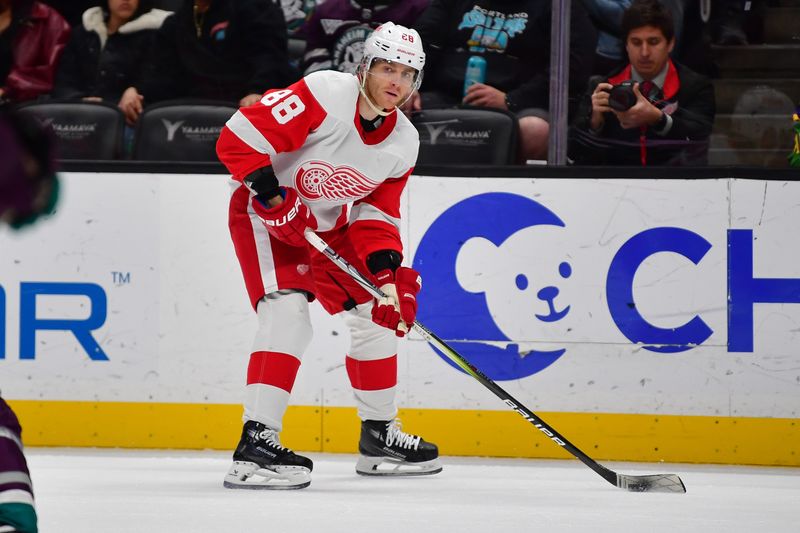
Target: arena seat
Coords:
[(466, 136), (181, 130), (83, 130)]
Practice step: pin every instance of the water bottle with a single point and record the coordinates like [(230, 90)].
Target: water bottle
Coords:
[(476, 71)]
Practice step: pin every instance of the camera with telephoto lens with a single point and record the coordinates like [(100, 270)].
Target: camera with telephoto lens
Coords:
[(621, 97)]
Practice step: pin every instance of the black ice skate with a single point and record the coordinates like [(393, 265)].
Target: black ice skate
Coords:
[(260, 462), (402, 454)]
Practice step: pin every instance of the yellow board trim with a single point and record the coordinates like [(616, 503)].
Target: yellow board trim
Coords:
[(603, 436)]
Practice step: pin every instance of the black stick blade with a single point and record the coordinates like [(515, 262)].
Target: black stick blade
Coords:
[(654, 483)]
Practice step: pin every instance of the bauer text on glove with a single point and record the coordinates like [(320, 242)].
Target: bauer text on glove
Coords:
[(286, 221)]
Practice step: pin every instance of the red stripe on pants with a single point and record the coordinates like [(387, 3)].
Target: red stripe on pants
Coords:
[(372, 375), (245, 243), (273, 368)]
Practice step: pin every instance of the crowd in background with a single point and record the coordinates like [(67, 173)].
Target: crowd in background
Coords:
[(135, 53)]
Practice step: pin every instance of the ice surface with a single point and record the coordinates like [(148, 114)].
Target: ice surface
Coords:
[(110, 491)]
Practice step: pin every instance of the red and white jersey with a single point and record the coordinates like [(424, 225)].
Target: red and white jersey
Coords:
[(311, 134)]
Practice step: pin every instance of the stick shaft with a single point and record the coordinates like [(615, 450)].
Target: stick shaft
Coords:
[(612, 477)]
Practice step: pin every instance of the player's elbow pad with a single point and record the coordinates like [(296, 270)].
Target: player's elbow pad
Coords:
[(264, 182)]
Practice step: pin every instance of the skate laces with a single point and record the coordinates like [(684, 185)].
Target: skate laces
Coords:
[(270, 436), (395, 435)]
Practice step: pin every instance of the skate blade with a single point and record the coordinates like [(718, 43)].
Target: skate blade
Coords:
[(387, 466), (250, 476)]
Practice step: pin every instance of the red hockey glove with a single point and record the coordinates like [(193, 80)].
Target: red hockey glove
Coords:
[(398, 309), (286, 221)]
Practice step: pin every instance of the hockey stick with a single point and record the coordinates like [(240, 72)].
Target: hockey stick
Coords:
[(650, 483)]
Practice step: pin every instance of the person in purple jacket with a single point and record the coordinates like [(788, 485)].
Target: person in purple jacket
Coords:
[(28, 184), (336, 32), (16, 491), (28, 188)]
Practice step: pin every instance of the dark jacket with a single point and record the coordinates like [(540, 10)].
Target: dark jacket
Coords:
[(242, 49), (39, 37), (688, 98), (513, 36), (97, 64)]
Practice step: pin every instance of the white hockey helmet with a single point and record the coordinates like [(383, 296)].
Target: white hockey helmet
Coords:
[(395, 43)]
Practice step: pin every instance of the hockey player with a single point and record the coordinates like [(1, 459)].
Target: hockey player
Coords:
[(330, 154), (17, 512), (28, 190)]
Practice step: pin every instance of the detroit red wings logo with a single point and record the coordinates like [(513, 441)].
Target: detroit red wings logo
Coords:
[(320, 180)]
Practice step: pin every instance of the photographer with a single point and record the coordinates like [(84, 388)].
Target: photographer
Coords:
[(651, 112)]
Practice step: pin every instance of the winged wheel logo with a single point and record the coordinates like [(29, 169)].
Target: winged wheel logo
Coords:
[(320, 180)]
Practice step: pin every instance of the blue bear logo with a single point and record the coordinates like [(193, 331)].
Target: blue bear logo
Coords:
[(481, 277)]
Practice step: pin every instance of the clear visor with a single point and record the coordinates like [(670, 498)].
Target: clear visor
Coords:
[(403, 75)]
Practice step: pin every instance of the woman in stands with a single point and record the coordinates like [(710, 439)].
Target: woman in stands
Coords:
[(107, 51)]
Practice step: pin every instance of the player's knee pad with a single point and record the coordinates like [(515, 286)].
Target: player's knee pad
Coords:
[(284, 323), (368, 340)]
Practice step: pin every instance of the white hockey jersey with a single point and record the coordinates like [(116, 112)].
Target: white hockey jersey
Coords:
[(311, 134)]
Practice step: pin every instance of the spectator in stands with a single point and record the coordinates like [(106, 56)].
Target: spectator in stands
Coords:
[(214, 49), (513, 36), (663, 117), (32, 38), (754, 136), (607, 17), (106, 53), (296, 13), (336, 32), (794, 156)]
